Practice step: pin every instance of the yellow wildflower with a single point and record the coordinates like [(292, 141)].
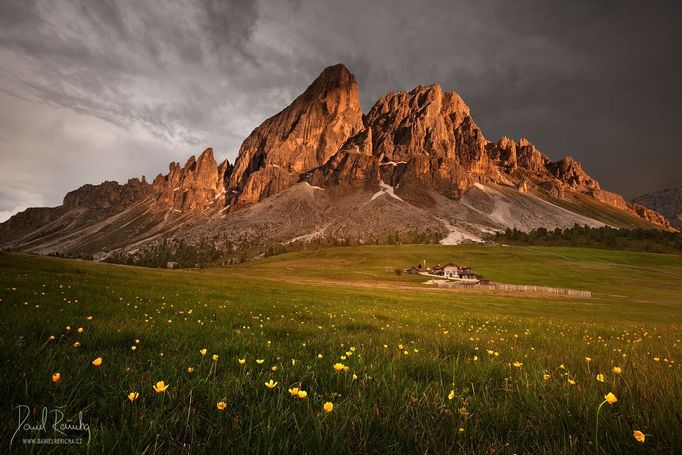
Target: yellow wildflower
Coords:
[(617, 370), (302, 394), (451, 395), (56, 377), (97, 362), (160, 387), (203, 352), (610, 398), (639, 436), (260, 361), (221, 405), (270, 384), (293, 391), (132, 396), (215, 357), (600, 377), (546, 377), (328, 406), (242, 361), (338, 367)]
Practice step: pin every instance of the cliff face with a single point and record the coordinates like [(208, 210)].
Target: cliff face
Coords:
[(300, 138), (423, 138), (199, 183)]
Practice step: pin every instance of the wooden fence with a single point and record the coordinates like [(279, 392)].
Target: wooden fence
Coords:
[(519, 288)]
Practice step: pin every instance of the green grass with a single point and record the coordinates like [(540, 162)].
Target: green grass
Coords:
[(329, 302), (592, 208)]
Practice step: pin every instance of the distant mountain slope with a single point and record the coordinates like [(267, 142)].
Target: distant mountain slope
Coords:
[(667, 202), (416, 165)]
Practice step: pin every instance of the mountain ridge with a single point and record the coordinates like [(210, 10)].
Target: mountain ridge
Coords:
[(420, 147)]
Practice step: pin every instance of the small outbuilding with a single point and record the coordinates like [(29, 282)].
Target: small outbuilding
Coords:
[(172, 265)]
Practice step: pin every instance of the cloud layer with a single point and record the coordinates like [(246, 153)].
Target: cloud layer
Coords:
[(114, 89)]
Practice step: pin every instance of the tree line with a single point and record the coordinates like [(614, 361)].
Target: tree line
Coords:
[(638, 239)]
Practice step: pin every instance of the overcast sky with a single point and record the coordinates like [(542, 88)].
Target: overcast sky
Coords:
[(95, 90)]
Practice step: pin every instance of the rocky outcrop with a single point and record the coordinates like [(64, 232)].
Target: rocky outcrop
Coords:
[(607, 197), (424, 138), (504, 153), (667, 202), (649, 215), (530, 158), (199, 183), (300, 138), (569, 172), (108, 194)]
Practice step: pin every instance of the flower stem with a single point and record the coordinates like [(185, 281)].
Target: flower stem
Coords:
[(596, 428)]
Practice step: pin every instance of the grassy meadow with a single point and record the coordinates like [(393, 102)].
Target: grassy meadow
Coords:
[(419, 369)]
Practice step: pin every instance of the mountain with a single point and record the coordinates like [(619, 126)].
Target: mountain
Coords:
[(416, 166), (667, 202), (301, 137)]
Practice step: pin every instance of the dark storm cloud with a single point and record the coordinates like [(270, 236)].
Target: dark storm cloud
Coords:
[(122, 87)]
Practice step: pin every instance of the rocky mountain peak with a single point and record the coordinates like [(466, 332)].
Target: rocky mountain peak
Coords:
[(425, 138), (199, 183), (571, 173), (298, 139)]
